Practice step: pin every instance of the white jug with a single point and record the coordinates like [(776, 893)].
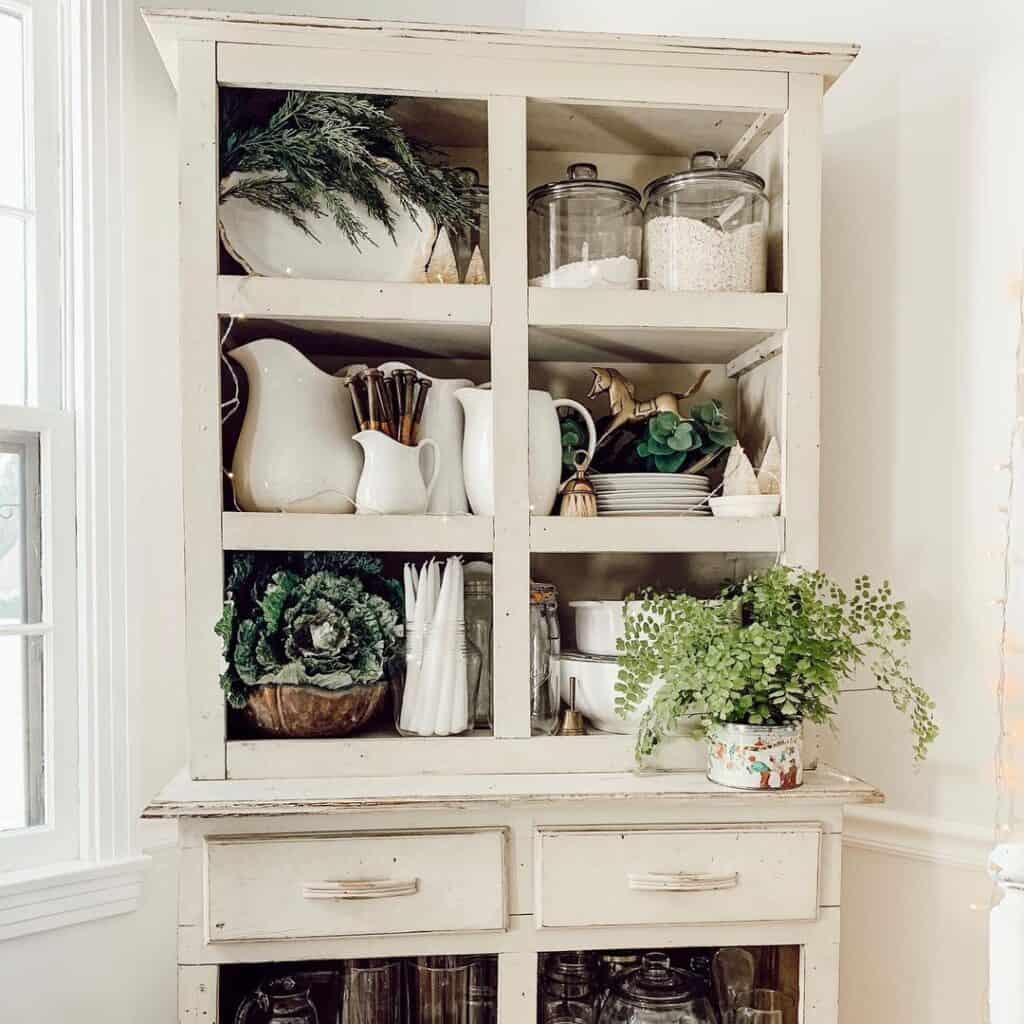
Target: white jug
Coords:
[(443, 423), (545, 455), (391, 482), (295, 452)]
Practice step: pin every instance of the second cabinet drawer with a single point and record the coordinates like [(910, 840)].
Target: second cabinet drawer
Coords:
[(698, 875), (329, 885)]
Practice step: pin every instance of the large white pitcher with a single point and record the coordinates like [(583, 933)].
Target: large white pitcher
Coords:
[(545, 441), (442, 423), (295, 452)]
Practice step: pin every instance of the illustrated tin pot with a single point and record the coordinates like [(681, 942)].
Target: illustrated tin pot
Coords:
[(756, 756)]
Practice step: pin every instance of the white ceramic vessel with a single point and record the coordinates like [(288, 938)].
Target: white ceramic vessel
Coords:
[(544, 439), (600, 625), (295, 452), (266, 242), (746, 506), (756, 756), (443, 422), (392, 481)]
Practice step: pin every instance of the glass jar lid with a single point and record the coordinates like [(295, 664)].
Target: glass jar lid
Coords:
[(469, 180), (479, 587), (705, 171), (543, 593), (582, 181), (655, 983)]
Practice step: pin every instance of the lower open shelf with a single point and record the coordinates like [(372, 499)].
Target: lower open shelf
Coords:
[(707, 984)]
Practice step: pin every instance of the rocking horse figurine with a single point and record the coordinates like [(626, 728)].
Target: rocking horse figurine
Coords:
[(622, 399)]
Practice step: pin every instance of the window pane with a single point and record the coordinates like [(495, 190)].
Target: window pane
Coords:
[(20, 525), (13, 322), (12, 111), (21, 732)]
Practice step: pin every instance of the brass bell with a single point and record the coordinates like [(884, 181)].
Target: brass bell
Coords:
[(572, 723), (578, 497)]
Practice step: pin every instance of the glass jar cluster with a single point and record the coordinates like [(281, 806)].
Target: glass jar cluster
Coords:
[(700, 229), (636, 987)]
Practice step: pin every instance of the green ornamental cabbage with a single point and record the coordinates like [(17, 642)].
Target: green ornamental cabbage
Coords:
[(319, 619)]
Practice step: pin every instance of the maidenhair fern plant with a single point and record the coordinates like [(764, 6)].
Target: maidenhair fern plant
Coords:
[(315, 154), (771, 651)]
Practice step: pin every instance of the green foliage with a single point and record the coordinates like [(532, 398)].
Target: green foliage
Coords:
[(672, 441), (313, 153), (326, 619), (574, 438), (773, 649)]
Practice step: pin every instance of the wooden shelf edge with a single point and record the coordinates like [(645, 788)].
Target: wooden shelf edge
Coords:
[(386, 756), (758, 313), (183, 797), (287, 531), (304, 299), (652, 534)]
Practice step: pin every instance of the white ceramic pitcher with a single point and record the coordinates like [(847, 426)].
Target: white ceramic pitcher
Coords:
[(392, 481), (545, 441), (443, 423), (295, 452)]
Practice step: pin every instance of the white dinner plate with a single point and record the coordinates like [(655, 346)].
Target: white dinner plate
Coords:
[(652, 512)]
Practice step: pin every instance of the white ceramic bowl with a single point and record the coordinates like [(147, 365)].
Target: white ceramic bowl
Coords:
[(600, 624), (595, 691), (746, 506)]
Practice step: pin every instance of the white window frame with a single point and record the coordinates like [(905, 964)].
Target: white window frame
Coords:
[(82, 864)]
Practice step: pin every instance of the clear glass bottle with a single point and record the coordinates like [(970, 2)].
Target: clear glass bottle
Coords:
[(584, 232), (545, 644), (479, 615), (419, 708), (474, 239), (655, 993), (568, 989), (706, 229)]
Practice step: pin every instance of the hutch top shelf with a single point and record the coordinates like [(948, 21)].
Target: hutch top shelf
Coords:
[(170, 26)]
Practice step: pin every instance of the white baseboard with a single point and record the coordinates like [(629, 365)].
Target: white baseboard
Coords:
[(932, 840)]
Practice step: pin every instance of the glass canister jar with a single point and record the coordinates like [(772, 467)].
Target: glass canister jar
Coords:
[(545, 651), (655, 993), (706, 229), (568, 989), (479, 612), (584, 232), (471, 244)]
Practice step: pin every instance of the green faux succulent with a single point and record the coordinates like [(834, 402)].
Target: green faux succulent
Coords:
[(671, 440), (574, 437), (317, 619), (772, 650)]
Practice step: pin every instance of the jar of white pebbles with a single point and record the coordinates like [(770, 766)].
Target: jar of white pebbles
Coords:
[(705, 229), (584, 232)]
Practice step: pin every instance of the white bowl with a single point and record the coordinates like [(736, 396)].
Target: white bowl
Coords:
[(599, 625), (746, 506), (595, 691), (596, 678)]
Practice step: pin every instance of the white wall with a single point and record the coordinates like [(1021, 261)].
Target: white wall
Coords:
[(923, 239)]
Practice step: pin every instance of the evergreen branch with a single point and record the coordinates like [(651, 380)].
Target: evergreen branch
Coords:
[(321, 152)]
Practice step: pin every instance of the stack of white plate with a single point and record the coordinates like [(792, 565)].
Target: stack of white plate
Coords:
[(651, 494)]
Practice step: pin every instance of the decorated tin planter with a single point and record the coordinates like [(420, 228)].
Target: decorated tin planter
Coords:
[(756, 756)]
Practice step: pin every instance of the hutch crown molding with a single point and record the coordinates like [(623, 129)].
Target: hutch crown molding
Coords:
[(505, 843)]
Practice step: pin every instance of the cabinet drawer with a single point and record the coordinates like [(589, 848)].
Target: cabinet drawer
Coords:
[(698, 875), (330, 885)]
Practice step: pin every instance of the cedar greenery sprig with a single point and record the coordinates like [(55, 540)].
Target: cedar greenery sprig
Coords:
[(773, 650), (315, 153)]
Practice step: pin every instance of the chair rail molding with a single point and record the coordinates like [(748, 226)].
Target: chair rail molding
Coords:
[(917, 837)]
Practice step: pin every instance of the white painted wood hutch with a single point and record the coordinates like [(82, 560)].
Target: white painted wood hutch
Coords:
[(519, 844)]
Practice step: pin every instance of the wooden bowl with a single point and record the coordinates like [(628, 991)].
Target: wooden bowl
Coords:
[(309, 712)]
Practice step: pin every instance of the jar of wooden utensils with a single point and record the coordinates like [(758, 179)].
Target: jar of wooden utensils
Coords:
[(389, 402)]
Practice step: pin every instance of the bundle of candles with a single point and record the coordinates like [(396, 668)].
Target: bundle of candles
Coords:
[(436, 695), (389, 402)]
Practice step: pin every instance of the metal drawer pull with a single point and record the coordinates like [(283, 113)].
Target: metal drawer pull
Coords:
[(360, 888), (681, 881)]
